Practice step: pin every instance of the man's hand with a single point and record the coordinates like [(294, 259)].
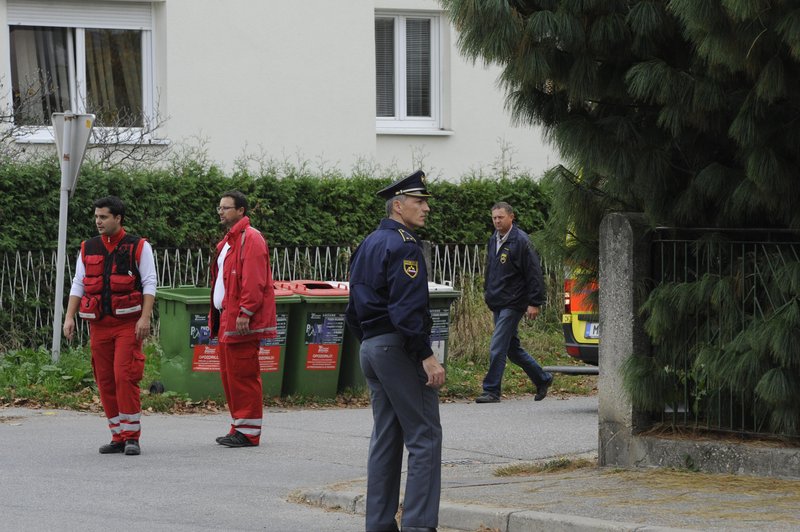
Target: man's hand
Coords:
[(69, 327), (435, 372), (142, 328), (243, 325), (532, 312)]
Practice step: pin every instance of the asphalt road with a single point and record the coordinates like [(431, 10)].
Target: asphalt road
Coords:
[(53, 478)]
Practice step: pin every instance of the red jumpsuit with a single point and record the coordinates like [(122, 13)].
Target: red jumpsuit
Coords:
[(112, 303), (247, 280)]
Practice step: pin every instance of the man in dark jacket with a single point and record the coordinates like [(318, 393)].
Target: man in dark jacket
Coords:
[(389, 312), (513, 288)]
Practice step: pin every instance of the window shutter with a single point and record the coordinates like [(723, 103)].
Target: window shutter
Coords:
[(418, 67), (384, 66), (81, 14)]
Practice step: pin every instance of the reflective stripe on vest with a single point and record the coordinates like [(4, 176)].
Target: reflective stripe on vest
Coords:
[(129, 310)]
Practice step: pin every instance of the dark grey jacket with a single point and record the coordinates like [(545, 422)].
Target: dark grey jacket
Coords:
[(514, 274)]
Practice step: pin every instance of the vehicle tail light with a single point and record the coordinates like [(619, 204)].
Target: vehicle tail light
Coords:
[(567, 297), (573, 351)]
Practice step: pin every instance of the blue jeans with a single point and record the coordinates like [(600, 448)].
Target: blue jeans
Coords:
[(505, 343)]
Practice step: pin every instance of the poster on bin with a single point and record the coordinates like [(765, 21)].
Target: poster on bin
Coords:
[(199, 332), (206, 358), (440, 331), (324, 336), (269, 353)]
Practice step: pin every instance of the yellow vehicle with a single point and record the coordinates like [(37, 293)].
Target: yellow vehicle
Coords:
[(581, 322)]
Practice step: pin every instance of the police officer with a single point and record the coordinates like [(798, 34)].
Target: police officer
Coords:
[(388, 310)]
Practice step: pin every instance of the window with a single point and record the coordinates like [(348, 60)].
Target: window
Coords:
[(87, 57), (407, 71)]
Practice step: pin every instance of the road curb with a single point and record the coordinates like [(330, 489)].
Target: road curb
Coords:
[(472, 517)]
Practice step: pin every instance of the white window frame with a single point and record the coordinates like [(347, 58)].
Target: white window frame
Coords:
[(78, 16), (401, 123)]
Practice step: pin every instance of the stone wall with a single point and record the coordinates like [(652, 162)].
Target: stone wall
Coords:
[(624, 270)]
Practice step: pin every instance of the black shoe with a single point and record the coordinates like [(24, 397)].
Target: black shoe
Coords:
[(418, 528), (487, 397), (218, 439), (541, 390), (237, 439), (113, 447), (132, 447)]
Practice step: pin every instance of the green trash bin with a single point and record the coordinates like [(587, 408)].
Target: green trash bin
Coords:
[(350, 375), (316, 335), (190, 362), (272, 353), (440, 297)]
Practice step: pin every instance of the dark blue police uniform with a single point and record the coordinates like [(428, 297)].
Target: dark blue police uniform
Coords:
[(388, 310)]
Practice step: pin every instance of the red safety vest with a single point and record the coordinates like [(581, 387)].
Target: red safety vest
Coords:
[(112, 285)]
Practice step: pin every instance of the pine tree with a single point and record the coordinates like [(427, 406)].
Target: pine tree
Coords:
[(687, 111)]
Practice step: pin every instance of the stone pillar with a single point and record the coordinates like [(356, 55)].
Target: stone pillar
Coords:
[(624, 268)]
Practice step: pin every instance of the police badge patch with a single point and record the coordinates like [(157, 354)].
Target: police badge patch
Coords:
[(503, 258), (411, 267)]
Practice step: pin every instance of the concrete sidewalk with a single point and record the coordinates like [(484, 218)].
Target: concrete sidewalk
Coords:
[(591, 499), (475, 498), (52, 478)]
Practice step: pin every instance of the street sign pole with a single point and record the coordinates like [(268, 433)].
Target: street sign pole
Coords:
[(72, 136)]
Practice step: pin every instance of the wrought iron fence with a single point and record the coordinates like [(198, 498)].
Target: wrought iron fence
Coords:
[(27, 279), (737, 275)]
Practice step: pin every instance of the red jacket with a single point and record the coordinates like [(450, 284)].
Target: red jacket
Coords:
[(247, 278)]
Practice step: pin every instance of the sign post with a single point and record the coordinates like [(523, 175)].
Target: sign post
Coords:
[(72, 133)]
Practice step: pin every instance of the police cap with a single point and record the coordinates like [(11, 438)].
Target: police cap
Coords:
[(413, 185)]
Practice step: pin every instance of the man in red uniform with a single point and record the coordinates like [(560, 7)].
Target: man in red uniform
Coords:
[(242, 313), (114, 289)]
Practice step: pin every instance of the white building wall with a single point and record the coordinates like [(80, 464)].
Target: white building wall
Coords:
[(289, 78), (295, 81), (482, 139), (5, 64)]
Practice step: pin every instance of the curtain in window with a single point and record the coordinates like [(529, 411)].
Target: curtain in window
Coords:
[(114, 76), (39, 74), (384, 65), (418, 67)]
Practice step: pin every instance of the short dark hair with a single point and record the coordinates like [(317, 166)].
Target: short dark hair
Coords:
[(239, 199), (113, 204), (503, 205)]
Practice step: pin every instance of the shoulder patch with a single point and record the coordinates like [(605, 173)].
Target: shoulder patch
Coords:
[(407, 237), (411, 267)]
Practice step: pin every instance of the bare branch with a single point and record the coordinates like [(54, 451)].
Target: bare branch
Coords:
[(126, 139), (120, 138)]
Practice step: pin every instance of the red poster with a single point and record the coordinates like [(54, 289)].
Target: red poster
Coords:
[(205, 358), (322, 356), (269, 358)]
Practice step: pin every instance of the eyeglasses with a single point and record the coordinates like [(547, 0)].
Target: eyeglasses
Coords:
[(222, 208)]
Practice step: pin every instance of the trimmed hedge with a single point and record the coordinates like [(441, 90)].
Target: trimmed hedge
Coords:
[(176, 208)]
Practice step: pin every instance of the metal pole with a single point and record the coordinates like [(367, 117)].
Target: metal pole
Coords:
[(58, 305)]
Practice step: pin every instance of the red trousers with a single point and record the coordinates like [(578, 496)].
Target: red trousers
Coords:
[(241, 379), (118, 364)]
